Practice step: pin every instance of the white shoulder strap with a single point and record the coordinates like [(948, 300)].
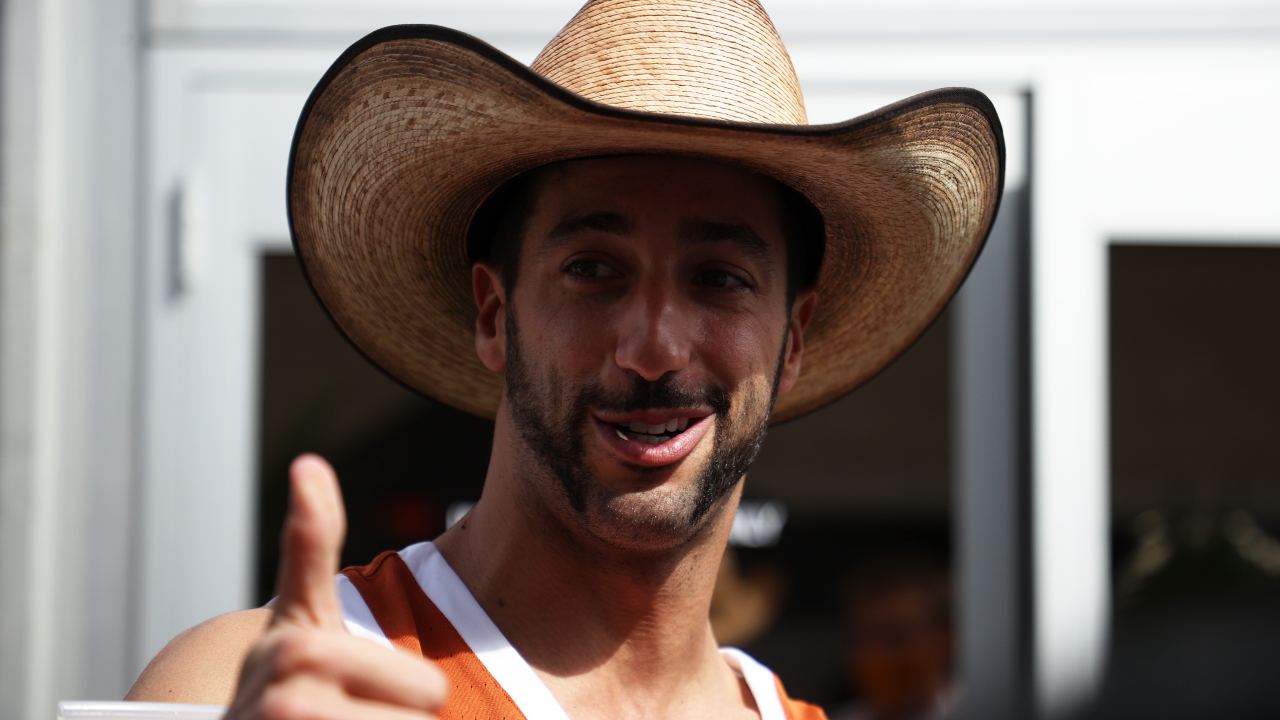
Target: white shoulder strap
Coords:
[(356, 614), (447, 591), (760, 682)]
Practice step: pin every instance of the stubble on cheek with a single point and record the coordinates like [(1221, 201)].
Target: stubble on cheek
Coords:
[(557, 447)]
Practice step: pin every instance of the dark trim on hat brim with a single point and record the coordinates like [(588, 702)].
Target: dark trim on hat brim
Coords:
[(969, 96)]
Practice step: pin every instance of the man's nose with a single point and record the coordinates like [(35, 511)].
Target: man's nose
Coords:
[(654, 337)]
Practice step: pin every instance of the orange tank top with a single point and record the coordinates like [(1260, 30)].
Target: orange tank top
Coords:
[(414, 601)]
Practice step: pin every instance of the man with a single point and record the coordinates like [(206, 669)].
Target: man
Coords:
[(646, 226)]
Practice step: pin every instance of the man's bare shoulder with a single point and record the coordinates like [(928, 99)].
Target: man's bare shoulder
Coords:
[(202, 664)]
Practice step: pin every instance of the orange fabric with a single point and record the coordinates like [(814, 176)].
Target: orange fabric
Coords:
[(411, 621), (798, 709)]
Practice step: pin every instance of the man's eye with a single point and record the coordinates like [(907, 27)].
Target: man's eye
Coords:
[(589, 269), (721, 279)]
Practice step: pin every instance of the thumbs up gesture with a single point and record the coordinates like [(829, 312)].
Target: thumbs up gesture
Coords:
[(306, 665)]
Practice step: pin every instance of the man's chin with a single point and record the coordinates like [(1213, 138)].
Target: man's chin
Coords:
[(648, 507), (654, 520)]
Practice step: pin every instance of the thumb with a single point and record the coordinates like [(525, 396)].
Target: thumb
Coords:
[(307, 593)]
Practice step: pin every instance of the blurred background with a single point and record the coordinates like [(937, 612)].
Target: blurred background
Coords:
[(1063, 501)]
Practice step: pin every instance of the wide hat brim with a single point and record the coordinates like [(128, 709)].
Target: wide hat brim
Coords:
[(414, 126)]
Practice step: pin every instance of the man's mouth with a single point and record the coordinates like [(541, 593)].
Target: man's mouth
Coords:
[(652, 434), (653, 438)]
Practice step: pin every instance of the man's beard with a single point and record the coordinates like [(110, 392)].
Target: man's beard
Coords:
[(556, 438)]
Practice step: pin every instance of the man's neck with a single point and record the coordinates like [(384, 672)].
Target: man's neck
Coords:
[(624, 630)]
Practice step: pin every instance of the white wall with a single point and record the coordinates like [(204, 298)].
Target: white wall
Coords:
[(67, 342)]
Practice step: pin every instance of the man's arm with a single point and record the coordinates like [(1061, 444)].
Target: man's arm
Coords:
[(296, 660), (202, 664)]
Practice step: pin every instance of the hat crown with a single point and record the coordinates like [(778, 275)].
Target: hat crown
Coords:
[(717, 59)]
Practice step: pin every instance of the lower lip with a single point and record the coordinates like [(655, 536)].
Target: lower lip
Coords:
[(642, 453)]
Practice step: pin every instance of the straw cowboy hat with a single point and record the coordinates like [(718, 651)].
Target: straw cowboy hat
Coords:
[(414, 126)]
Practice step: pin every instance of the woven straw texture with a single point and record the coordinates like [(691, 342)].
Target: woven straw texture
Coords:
[(414, 126), (721, 60)]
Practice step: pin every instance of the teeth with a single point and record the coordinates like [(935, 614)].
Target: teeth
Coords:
[(640, 427), (652, 433)]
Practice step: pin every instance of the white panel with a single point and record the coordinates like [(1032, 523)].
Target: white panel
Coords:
[(865, 18), (197, 502), (1070, 525), (293, 20)]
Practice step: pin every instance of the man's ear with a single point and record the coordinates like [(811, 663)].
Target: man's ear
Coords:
[(801, 313), (491, 301)]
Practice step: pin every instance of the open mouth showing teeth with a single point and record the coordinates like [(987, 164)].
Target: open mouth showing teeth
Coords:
[(651, 434)]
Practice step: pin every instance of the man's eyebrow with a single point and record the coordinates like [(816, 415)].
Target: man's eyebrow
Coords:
[(740, 234), (614, 223)]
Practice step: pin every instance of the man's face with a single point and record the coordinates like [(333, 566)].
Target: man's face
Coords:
[(645, 342)]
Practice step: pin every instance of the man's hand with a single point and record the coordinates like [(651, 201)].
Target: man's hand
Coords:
[(306, 665)]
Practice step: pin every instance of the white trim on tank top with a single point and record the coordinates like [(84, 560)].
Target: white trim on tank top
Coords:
[(531, 696)]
